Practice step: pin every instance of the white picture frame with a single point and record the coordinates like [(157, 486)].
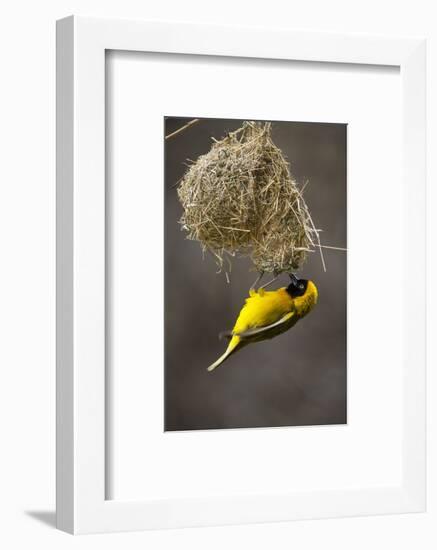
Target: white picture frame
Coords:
[(81, 481)]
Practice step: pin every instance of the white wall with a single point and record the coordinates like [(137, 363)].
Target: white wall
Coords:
[(27, 299)]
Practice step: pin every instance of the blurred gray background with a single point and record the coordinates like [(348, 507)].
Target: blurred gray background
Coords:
[(295, 379)]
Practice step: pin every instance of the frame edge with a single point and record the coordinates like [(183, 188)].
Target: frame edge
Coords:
[(65, 479), (414, 169)]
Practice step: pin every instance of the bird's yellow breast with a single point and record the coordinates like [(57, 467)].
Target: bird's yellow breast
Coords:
[(304, 304)]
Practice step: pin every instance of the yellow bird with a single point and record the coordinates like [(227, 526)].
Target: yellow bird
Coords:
[(269, 313)]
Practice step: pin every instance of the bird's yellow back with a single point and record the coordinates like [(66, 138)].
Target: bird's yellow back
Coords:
[(263, 308)]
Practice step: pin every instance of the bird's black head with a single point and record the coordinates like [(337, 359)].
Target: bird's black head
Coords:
[(297, 287)]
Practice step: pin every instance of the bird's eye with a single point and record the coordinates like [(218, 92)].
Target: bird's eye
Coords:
[(301, 287)]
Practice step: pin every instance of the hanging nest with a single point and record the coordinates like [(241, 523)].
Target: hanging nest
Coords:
[(240, 199)]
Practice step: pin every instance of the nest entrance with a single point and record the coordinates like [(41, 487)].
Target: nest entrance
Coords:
[(240, 199)]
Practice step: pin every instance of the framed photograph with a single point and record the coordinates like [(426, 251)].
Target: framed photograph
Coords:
[(240, 275), (251, 264)]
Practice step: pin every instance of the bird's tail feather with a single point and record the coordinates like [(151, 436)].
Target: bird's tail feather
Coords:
[(230, 349)]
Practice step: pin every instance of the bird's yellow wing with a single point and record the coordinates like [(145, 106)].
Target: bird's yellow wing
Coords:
[(263, 309), (256, 331)]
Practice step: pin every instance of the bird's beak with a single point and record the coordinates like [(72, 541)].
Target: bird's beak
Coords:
[(293, 278)]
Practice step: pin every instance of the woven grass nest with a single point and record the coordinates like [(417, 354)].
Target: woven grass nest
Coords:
[(240, 199)]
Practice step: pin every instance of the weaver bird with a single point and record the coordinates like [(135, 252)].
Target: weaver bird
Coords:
[(269, 313)]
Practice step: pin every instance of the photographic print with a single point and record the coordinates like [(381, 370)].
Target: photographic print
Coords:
[(255, 318)]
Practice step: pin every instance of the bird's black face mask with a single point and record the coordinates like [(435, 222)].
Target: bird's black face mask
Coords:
[(297, 287)]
